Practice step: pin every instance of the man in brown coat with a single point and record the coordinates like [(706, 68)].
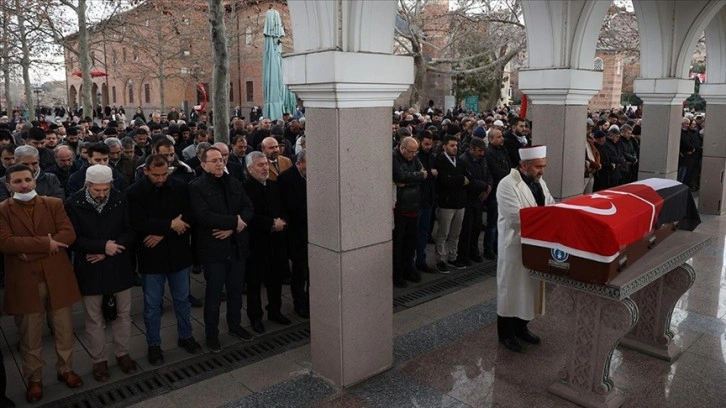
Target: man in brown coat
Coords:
[(34, 232), (278, 162)]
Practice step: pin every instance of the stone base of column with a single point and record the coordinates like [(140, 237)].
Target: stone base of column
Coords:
[(711, 195), (350, 297), (652, 334), (597, 324)]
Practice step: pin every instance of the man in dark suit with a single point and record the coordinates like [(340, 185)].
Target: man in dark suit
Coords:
[(293, 186), (222, 211), (268, 260)]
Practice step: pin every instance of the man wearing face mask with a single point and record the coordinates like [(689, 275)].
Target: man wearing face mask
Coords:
[(46, 184), (34, 232)]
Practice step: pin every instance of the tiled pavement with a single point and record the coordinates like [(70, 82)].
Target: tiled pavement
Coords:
[(447, 355)]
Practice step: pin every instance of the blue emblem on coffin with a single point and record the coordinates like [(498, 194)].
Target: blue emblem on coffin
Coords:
[(559, 255)]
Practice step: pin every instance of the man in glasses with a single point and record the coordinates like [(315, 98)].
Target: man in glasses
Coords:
[(408, 174)]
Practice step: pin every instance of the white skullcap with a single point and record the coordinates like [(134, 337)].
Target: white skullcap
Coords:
[(534, 152), (99, 174), (614, 129), (498, 123)]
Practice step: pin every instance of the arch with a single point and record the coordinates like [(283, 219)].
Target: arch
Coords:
[(72, 97), (668, 34), (104, 95), (562, 33), (715, 43), (685, 55), (351, 26), (94, 96)]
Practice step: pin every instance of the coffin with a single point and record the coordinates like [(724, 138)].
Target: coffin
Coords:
[(592, 238)]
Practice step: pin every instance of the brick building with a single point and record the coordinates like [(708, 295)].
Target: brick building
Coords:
[(611, 63), (157, 55)]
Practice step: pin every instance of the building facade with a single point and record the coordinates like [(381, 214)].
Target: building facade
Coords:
[(155, 57)]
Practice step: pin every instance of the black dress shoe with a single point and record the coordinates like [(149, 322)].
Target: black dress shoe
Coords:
[(257, 326), (400, 283), (279, 318), (476, 258), (194, 302), (303, 312), (529, 337), (511, 344)]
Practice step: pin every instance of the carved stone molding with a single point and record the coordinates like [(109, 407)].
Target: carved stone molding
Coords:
[(598, 325), (653, 335)]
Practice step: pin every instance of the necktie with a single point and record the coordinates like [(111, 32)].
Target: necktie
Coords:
[(277, 166)]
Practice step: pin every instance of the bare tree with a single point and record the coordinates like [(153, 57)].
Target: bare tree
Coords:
[(438, 38), (220, 70)]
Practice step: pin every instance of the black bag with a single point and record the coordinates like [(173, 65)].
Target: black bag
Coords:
[(108, 305)]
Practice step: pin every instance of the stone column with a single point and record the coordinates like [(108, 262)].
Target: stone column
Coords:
[(348, 99), (661, 129), (711, 196), (559, 120)]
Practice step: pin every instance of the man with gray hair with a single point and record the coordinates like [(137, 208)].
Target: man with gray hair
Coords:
[(268, 259), (118, 161), (64, 164), (46, 184)]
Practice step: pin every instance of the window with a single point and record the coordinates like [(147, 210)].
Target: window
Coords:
[(124, 54), (231, 91), (250, 91), (114, 56), (617, 68), (598, 64), (93, 57), (136, 56), (147, 93), (113, 94), (131, 94), (248, 37)]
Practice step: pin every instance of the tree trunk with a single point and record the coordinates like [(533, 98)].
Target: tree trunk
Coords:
[(29, 101), (6, 61), (83, 57), (496, 91), (419, 76), (162, 87), (220, 71)]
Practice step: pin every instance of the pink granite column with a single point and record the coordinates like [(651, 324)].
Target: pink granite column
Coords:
[(348, 99), (559, 120), (712, 195), (661, 129)]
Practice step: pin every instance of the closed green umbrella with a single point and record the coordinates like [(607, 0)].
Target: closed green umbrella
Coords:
[(277, 98)]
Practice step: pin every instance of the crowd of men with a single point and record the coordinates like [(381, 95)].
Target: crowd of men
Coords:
[(88, 211), (86, 207)]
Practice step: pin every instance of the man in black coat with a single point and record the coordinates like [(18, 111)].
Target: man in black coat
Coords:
[(64, 165), (451, 185), (293, 186), (222, 211), (97, 154), (99, 214), (408, 174), (428, 199), (498, 163), (515, 139), (477, 193), (161, 216), (268, 261)]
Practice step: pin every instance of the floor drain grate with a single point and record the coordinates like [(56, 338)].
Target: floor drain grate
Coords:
[(442, 286)]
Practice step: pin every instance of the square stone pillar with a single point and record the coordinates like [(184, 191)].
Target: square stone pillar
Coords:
[(712, 195), (348, 99), (661, 128), (559, 121)]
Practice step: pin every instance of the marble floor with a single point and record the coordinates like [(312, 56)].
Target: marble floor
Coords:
[(447, 355)]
